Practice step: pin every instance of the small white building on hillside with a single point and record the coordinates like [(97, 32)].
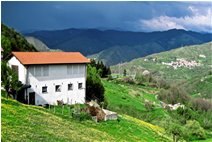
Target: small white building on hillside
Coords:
[(51, 76)]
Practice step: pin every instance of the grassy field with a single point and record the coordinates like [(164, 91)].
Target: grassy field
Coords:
[(31, 123), (130, 99)]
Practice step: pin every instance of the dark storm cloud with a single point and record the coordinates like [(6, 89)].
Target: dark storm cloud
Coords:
[(136, 16)]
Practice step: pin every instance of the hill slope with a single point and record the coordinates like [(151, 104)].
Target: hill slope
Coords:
[(164, 65), (13, 41), (31, 123), (39, 45), (115, 45)]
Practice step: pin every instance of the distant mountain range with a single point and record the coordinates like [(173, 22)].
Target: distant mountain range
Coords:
[(113, 47), (39, 45)]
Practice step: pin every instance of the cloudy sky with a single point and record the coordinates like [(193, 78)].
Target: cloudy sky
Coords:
[(130, 16)]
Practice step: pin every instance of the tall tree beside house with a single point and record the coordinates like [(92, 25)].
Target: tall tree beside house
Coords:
[(9, 80), (94, 87), (13, 41), (103, 70)]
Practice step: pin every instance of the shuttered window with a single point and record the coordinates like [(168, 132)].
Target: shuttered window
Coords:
[(38, 70), (46, 70), (69, 69), (75, 69)]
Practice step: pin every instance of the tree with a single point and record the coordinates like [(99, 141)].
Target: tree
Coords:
[(103, 70), (94, 87), (10, 80), (175, 129), (125, 72), (194, 131)]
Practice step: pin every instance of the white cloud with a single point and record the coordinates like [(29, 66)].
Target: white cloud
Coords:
[(197, 21)]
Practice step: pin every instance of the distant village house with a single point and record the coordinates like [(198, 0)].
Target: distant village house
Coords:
[(51, 76)]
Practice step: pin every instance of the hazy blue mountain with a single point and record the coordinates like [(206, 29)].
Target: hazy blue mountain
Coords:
[(118, 46), (39, 45)]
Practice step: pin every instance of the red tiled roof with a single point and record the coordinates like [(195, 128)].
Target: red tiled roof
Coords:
[(30, 58)]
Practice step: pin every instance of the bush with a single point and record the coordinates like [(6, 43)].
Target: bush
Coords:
[(128, 80), (161, 83), (175, 94), (149, 105), (194, 131), (140, 78), (201, 104), (109, 77), (175, 129)]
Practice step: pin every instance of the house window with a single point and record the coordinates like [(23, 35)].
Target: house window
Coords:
[(58, 88), (70, 86), (38, 71), (79, 85), (44, 89)]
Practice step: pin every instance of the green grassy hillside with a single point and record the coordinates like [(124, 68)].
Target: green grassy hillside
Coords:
[(130, 99), (154, 62), (31, 123), (201, 54)]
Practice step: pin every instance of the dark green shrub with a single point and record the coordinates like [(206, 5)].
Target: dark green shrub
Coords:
[(194, 131), (94, 87)]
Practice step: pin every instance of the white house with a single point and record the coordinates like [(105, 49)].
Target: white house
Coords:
[(51, 76)]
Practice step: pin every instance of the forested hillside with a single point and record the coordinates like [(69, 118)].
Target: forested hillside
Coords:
[(13, 41)]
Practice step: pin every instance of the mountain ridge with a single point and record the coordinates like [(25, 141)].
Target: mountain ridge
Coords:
[(91, 42)]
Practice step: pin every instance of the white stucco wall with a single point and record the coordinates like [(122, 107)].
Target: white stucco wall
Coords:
[(58, 75), (21, 69)]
